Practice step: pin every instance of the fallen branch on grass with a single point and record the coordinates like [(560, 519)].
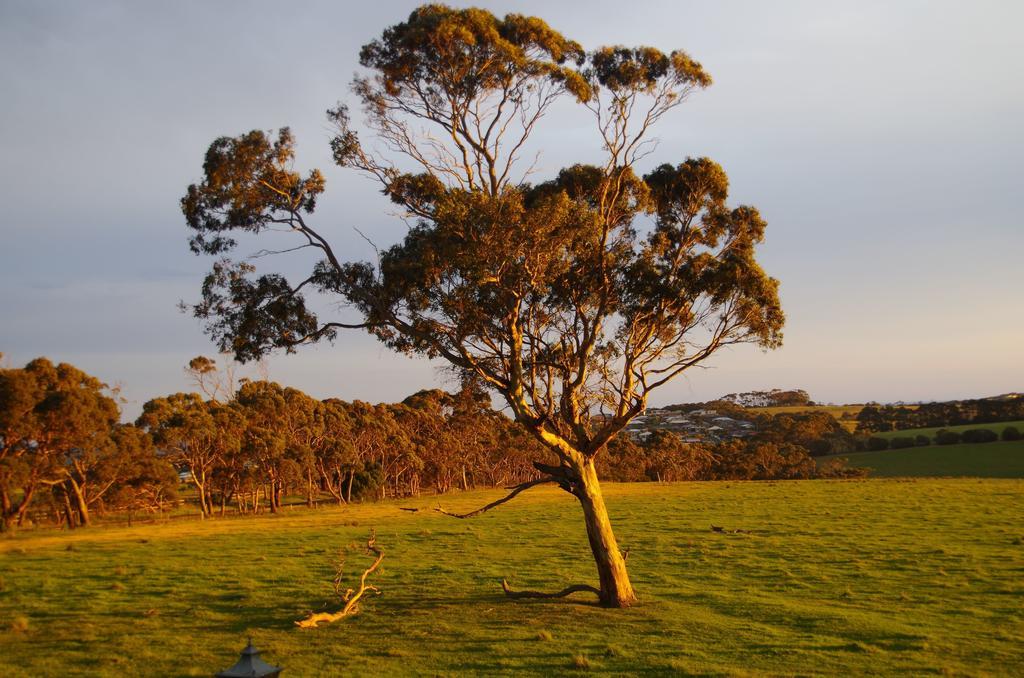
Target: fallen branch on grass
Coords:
[(569, 590), (722, 530), (351, 597), (509, 497)]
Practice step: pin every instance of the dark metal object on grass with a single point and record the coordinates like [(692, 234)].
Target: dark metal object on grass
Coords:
[(250, 665)]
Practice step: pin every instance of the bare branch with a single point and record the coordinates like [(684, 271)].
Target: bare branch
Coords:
[(567, 591), (351, 597), (509, 497)]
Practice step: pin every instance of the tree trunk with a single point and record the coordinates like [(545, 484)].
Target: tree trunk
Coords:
[(23, 506), (80, 504), (69, 513), (201, 489), (6, 510), (616, 590)]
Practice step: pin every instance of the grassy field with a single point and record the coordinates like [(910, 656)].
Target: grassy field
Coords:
[(973, 460), (829, 578), (930, 432), (838, 411)]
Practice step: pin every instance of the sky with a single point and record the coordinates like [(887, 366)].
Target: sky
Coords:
[(881, 141)]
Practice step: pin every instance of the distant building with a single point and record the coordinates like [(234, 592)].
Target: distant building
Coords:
[(702, 425)]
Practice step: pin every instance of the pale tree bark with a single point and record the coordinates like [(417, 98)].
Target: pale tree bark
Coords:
[(199, 478), (579, 478), (81, 505), (616, 589)]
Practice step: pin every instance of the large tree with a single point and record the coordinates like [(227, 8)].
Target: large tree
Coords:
[(59, 430), (572, 298), (196, 435)]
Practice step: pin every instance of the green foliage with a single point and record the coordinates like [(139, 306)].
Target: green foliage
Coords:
[(819, 432), (884, 418), (196, 435), (644, 68), (1011, 433), (870, 577), (979, 435), (930, 432), (476, 51), (551, 294), (876, 444), (667, 458), (902, 442), (752, 460), (248, 180), (60, 442), (946, 437)]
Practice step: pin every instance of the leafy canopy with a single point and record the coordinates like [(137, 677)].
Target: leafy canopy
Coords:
[(573, 298)]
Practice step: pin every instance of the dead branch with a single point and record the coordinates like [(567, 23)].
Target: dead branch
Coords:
[(351, 597), (722, 530), (509, 497), (569, 590)]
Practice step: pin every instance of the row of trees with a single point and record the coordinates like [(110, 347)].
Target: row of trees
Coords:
[(883, 418), (271, 441), (63, 451), (663, 456), (944, 437), (275, 440)]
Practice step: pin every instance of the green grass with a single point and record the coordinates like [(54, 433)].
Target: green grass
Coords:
[(832, 577), (846, 415), (930, 432), (973, 460), (836, 411)]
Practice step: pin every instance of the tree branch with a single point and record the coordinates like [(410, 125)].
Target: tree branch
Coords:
[(569, 590), (522, 487), (351, 597)]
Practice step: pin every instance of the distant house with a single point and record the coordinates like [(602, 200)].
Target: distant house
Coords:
[(703, 425)]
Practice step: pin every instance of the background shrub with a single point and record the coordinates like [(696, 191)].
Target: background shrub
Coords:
[(922, 440), (945, 437), (876, 444), (902, 443), (1011, 433), (979, 435)]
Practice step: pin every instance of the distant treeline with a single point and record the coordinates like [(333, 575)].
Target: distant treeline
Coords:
[(943, 437), (782, 447), (884, 418), (63, 450), (64, 455)]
